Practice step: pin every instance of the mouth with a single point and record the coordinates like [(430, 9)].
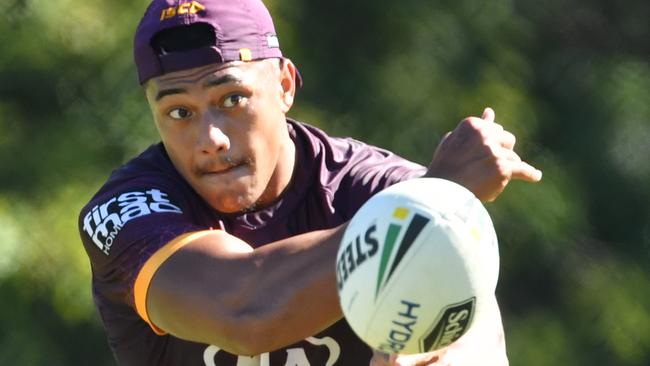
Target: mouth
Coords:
[(222, 172)]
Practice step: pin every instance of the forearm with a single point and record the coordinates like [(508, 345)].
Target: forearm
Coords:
[(293, 294), (217, 290)]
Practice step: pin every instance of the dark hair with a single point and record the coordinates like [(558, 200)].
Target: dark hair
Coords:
[(183, 38)]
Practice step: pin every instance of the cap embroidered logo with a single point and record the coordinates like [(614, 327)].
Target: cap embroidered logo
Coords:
[(184, 8)]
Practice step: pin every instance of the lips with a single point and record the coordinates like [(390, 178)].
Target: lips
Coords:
[(223, 167), (220, 171), (230, 171)]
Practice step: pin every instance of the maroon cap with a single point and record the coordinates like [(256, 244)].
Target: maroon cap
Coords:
[(243, 31)]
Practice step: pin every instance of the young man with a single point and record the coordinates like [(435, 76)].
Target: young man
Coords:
[(217, 246)]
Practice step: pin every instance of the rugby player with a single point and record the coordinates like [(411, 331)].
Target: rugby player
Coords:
[(217, 245)]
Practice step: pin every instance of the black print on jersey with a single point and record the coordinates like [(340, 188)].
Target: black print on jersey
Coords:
[(104, 221)]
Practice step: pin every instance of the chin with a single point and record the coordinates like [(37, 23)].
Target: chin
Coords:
[(234, 202), (241, 194)]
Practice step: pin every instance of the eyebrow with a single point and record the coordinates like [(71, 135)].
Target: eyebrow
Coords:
[(165, 92), (224, 79)]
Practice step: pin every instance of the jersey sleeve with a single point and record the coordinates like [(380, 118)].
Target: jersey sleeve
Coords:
[(370, 169), (122, 229)]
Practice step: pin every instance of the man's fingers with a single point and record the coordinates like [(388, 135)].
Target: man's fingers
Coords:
[(488, 114), (526, 172), (507, 140), (421, 359), (441, 142), (445, 136), (511, 155), (382, 359)]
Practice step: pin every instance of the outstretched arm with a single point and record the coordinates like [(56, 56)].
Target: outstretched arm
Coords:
[(216, 289)]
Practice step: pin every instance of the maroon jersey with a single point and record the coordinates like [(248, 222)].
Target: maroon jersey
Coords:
[(146, 203)]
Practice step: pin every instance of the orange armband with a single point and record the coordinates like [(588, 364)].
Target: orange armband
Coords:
[(144, 277)]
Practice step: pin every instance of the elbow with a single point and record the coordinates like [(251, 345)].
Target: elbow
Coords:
[(244, 336), (236, 327), (255, 322), (248, 344), (247, 335), (240, 322)]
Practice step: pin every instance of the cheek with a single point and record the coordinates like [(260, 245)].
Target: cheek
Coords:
[(179, 153), (266, 149)]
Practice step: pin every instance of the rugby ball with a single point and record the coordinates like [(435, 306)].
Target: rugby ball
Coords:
[(417, 266)]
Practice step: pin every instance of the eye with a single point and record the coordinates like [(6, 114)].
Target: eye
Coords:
[(180, 113), (233, 100)]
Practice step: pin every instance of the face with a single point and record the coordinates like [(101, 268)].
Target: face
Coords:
[(224, 128)]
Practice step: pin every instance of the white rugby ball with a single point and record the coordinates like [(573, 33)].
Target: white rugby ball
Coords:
[(417, 265)]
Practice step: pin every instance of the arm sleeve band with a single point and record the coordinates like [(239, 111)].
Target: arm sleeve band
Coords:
[(143, 280)]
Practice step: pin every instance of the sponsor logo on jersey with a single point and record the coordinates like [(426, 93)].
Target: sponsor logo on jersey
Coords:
[(297, 356), (104, 221), (183, 8), (449, 326), (413, 230)]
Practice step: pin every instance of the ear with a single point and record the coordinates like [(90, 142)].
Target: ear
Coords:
[(287, 83)]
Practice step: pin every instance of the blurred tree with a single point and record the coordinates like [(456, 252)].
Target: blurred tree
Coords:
[(570, 79)]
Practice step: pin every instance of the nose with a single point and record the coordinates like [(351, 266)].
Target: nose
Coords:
[(212, 139)]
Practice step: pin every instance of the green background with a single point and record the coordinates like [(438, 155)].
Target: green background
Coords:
[(570, 78)]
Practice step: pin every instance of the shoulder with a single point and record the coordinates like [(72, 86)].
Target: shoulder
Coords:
[(344, 149), (319, 142), (145, 190), (143, 206), (348, 170)]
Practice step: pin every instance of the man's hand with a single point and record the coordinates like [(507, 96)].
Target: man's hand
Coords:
[(479, 155), (424, 359), (483, 345)]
